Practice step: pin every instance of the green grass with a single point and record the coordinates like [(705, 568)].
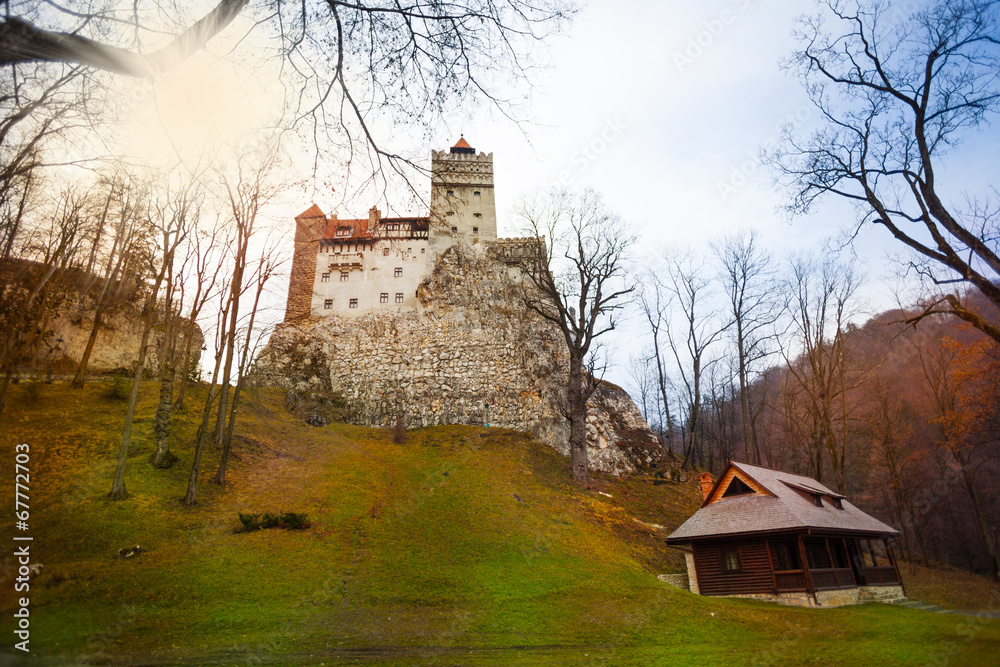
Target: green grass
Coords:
[(461, 546)]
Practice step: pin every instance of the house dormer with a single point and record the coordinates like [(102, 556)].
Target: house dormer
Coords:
[(733, 483)]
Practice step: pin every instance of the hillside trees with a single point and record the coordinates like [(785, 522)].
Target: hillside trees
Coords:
[(173, 212), (820, 312), (894, 97), (580, 284), (750, 286)]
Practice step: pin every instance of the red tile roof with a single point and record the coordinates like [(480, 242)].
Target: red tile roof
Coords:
[(462, 143)]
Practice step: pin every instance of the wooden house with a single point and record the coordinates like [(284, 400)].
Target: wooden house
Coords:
[(787, 538)]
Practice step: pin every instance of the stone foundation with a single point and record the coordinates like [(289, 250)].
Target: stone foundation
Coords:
[(836, 598)]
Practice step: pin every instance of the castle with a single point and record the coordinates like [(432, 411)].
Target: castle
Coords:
[(352, 267), (422, 319)]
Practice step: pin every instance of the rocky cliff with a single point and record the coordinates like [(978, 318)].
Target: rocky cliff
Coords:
[(471, 354)]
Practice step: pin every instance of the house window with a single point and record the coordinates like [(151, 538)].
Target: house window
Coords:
[(399, 297), (731, 560), (383, 297), (475, 230), (737, 487), (385, 251), (838, 503), (397, 272), (328, 304), (817, 500), (344, 276), (325, 278), (784, 555), (353, 303)]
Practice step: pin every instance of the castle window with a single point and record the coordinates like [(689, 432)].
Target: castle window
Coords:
[(421, 251), (451, 193), (476, 193), (409, 251), (353, 303), (399, 297), (397, 272), (344, 276), (454, 230), (477, 215), (328, 304), (475, 230), (383, 297), (325, 278), (385, 251), (451, 213)]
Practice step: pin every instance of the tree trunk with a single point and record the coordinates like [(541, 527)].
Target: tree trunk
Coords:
[(984, 535), (4, 385), (81, 370), (118, 490), (185, 370), (578, 423), (161, 426)]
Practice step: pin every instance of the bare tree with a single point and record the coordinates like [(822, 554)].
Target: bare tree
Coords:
[(690, 340), (171, 216), (654, 301), (121, 202), (821, 305), (894, 96), (348, 66), (35, 287), (748, 279), (579, 284)]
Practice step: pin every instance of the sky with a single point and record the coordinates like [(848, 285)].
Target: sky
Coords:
[(660, 106)]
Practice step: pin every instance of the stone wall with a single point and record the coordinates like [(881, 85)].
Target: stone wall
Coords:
[(469, 345)]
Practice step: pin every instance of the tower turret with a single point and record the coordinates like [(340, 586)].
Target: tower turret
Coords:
[(463, 206)]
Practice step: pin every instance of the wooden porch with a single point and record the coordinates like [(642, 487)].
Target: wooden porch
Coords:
[(829, 563)]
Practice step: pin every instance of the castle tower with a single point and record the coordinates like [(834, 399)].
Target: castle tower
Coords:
[(309, 227), (463, 207)]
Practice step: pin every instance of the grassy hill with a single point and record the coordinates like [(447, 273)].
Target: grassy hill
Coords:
[(461, 546)]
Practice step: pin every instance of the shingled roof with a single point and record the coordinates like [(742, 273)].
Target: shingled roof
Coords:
[(787, 506)]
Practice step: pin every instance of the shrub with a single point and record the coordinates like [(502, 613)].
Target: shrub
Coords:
[(118, 390), (250, 522), (294, 521), (399, 427), (269, 520), (32, 392)]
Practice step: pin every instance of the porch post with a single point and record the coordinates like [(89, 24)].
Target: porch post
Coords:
[(770, 565), (895, 565), (805, 567)]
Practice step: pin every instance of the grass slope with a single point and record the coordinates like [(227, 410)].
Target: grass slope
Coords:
[(462, 546)]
